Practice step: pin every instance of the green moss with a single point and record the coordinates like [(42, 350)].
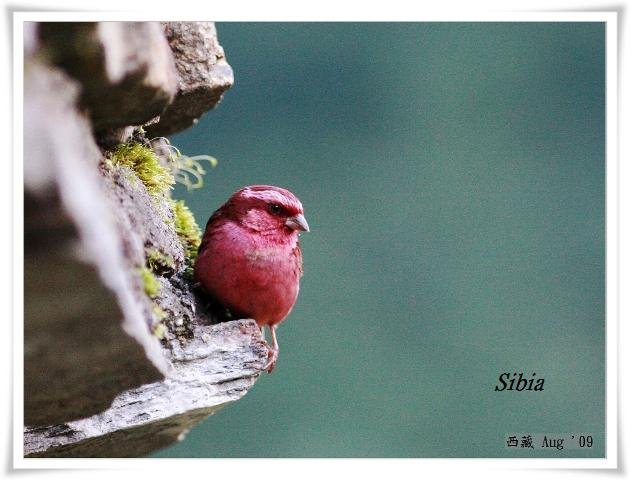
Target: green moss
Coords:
[(159, 261), (158, 179), (158, 330), (150, 283), (158, 313), (145, 163), (187, 229)]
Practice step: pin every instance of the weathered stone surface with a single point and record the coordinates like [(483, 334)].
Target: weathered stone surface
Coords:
[(125, 69), (202, 71), (144, 222), (71, 319), (80, 308), (110, 369), (216, 366), (110, 137)]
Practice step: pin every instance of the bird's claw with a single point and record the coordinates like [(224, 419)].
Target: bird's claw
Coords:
[(272, 358)]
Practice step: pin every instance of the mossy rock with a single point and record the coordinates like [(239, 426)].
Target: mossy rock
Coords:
[(157, 178)]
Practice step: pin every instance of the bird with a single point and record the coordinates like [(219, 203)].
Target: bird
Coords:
[(249, 258)]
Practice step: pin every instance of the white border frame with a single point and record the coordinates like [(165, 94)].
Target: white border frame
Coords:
[(379, 467)]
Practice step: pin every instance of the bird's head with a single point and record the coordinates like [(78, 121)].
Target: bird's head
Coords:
[(267, 209)]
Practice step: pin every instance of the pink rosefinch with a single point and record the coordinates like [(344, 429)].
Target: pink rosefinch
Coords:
[(250, 259)]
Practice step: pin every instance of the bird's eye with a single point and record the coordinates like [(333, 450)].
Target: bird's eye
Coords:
[(275, 208)]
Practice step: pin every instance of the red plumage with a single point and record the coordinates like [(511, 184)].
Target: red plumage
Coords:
[(250, 259)]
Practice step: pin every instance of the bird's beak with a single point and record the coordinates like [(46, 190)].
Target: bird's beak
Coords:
[(298, 222)]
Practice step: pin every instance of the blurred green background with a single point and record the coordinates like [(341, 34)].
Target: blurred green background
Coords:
[(453, 178)]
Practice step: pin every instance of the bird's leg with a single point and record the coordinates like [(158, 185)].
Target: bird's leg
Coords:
[(273, 351)]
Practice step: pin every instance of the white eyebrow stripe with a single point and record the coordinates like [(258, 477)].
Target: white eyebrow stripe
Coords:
[(270, 196)]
